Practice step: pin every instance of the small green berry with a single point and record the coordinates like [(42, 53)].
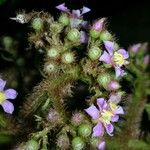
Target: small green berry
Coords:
[(37, 24), (78, 143), (73, 35), (105, 36), (85, 130), (64, 19), (94, 53)]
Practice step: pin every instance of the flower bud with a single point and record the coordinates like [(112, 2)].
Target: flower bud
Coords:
[(135, 48), (51, 68), (105, 36), (94, 34), (7, 42), (78, 143), (103, 79), (99, 25), (63, 142), (73, 35), (94, 53), (77, 118), (53, 53), (101, 145), (68, 57), (113, 85), (147, 59), (32, 145), (85, 130), (64, 19), (37, 24), (53, 116)]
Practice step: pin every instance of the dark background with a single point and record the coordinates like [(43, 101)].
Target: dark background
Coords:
[(128, 20)]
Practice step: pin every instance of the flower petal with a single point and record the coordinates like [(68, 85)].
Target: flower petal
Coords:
[(115, 97), (8, 107), (85, 24), (102, 145), (119, 110), (76, 13), (105, 57), (74, 22), (109, 129), (115, 118), (93, 112), (109, 46), (119, 72), (83, 37), (62, 7), (10, 94), (85, 10), (124, 53), (98, 130), (2, 84), (102, 104)]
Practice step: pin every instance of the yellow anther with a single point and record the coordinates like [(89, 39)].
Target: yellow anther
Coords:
[(2, 97), (106, 116), (118, 59), (113, 106)]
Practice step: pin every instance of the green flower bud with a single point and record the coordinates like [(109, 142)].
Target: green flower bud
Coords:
[(78, 143), (32, 145), (85, 130), (73, 35), (94, 142), (7, 42), (68, 57), (94, 53), (105, 36), (53, 53), (37, 24), (94, 34), (104, 79), (64, 19)]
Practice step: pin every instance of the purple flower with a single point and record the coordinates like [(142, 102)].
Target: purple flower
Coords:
[(75, 15), (104, 115), (115, 58), (5, 95), (135, 48)]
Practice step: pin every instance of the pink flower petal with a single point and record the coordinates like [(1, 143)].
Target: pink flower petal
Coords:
[(8, 107), (2, 84), (85, 10), (10, 94), (83, 37), (102, 145), (93, 112), (124, 53), (109, 129), (119, 110), (115, 118), (76, 13), (102, 104), (62, 7), (105, 57), (98, 130), (119, 72), (109, 46)]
